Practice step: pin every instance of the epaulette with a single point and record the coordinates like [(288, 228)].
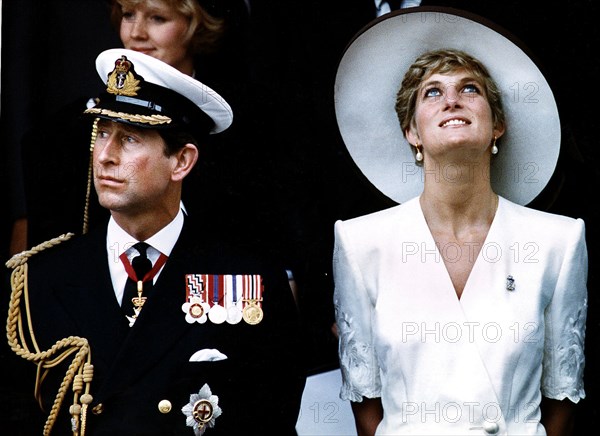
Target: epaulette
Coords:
[(80, 372)]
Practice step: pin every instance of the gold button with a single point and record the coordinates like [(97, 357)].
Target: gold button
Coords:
[(98, 409), (164, 406)]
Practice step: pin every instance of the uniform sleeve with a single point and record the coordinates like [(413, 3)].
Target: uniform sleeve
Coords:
[(353, 308), (564, 359)]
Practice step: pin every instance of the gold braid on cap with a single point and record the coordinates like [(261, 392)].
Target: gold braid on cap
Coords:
[(80, 371), (146, 119)]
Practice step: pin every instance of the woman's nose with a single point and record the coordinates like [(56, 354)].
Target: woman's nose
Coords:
[(138, 29), (451, 96)]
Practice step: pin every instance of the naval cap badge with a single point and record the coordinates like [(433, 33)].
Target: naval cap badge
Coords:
[(202, 410), (123, 80)]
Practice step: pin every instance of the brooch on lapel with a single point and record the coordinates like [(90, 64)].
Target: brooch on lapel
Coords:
[(221, 298), (510, 283), (202, 410)]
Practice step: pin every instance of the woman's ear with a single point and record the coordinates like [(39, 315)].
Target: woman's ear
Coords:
[(411, 135), (185, 159), (499, 130)]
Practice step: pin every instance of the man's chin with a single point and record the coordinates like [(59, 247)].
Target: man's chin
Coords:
[(110, 203)]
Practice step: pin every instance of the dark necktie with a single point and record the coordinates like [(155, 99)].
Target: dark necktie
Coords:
[(141, 265)]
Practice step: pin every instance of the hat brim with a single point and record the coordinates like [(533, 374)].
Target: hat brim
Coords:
[(371, 71)]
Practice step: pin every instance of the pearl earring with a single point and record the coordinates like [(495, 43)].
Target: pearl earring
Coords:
[(494, 148), (419, 156)]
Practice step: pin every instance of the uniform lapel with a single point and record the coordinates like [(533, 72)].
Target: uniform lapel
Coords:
[(88, 297), (160, 324)]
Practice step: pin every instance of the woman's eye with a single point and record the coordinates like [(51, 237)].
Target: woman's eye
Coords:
[(159, 19), (127, 16), (471, 89), (432, 92)]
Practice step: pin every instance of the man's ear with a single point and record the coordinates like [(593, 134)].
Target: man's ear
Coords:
[(185, 159)]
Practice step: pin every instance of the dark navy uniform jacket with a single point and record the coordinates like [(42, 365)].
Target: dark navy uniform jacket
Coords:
[(259, 385)]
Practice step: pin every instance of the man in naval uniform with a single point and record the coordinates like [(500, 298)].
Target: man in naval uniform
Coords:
[(150, 325)]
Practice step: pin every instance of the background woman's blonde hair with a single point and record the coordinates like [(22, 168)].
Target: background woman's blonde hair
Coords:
[(205, 30)]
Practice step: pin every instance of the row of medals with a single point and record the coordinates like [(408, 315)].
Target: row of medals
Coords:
[(251, 313)]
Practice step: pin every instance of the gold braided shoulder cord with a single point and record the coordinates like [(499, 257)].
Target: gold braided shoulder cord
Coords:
[(90, 175), (80, 371)]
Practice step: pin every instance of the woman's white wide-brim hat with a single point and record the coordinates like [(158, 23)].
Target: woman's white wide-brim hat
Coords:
[(371, 71)]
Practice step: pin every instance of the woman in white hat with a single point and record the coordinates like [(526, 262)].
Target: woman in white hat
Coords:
[(459, 311)]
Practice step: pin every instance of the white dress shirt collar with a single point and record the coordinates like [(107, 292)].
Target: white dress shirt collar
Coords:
[(119, 241)]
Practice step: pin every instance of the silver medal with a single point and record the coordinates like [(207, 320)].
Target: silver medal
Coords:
[(234, 315), (217, 314)]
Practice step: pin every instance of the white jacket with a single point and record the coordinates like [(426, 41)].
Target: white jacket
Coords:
[(444, 366)]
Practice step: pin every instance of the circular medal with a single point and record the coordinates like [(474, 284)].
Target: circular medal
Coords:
[(252, 314), (217, 314), (234, 315), (202, 411), (196, 310)]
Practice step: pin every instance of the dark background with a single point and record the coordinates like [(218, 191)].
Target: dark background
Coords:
[(281, 175)]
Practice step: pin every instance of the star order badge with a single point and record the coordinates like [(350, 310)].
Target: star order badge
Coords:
[(202, 410)]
